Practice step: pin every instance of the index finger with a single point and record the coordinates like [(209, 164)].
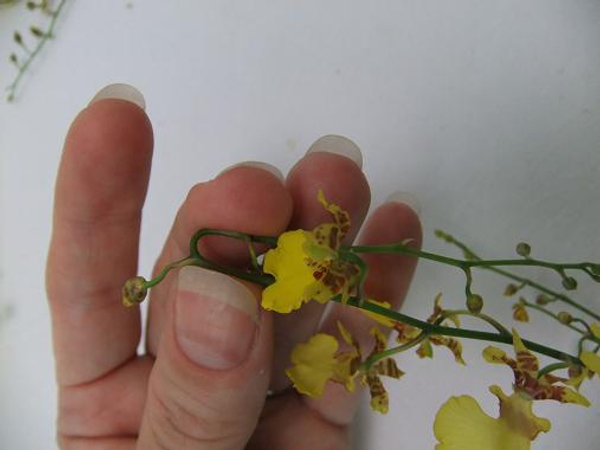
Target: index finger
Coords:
[(100, 190)]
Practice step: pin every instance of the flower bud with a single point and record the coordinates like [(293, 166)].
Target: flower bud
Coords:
[(523, 249), (520, 313), (565, 318), (36, 32), (542, 300), (569, 283), (475, 303), (134, 291), (511, 289)]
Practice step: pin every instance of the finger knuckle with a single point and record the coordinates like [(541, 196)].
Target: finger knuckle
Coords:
[(179, 419)]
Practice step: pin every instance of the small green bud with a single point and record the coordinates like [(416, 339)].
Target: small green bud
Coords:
[(13, 58), (18, 38), (36, 32), (596, 269), (523, 249), (565, 318), (134, 291), (569, 283), (511, 289), (542, 300), (475, 303), (31, 6)]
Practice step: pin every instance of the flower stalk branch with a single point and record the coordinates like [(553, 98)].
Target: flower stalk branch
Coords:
[(588, 268), (42, 37)]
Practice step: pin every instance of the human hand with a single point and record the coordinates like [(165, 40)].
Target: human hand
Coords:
[(211, 353)]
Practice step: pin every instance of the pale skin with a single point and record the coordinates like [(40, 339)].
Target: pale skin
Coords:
[(111, 397)]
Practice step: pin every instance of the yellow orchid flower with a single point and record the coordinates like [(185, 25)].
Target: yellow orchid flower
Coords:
[(306, 265), (525, 369), (461, 424), (320, 360), (406, 333), (315, 362), (386, 367)]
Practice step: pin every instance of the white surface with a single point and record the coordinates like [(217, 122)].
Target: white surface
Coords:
[(487, 111)]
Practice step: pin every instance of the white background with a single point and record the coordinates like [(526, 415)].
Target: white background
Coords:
[(489, 112)]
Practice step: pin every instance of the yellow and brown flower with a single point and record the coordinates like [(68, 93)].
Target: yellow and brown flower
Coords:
[(306, 265)]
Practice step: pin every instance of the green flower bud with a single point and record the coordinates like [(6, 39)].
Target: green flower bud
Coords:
[(565, 317), (523, 249), (475, 303), (36, 32), (542, 300), (511, 289), (569, 283), (134, 291)]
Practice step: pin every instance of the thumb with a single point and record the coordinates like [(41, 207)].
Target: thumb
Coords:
[(212, 369)]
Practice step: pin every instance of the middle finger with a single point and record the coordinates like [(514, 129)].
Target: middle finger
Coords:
[(333, 165)]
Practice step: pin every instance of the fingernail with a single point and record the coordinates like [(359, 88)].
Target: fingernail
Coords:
[(257, 164), (121, 91), (339, 145), (407, 199), (216, 318)]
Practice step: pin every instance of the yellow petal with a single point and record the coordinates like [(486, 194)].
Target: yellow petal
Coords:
[(314, 364), (341, 217), (494, 355), (571, 396), (346, 335), (517, 414), (454, 345), (388, 367), (406, 332), (591, 361), (379, 396), (295, 282), (425, 350), (380, 339), (461, 424), (595, 327)]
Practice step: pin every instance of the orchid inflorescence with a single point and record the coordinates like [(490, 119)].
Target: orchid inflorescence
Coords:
[(30, 44), (303, 266)]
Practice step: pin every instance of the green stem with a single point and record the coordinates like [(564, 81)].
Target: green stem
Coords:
[(263, 280), (550, 314), (551, 368), (11, 88), (463, 312), (375, 358), (163, 273)]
